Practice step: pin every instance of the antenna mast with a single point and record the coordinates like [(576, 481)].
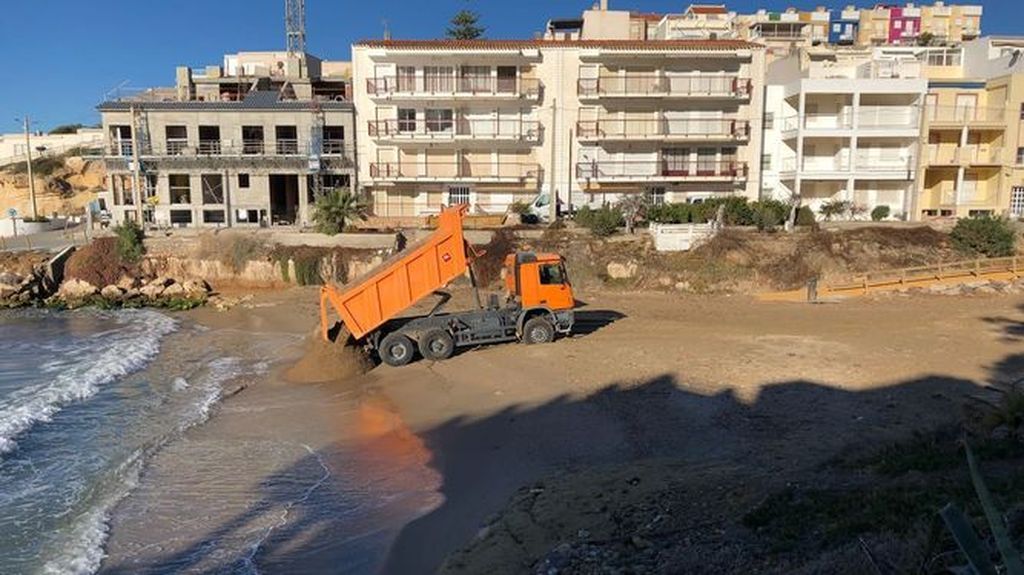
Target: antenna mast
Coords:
[(295, 25)]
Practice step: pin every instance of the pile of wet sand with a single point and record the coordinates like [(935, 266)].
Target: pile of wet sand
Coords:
[(325, 361)]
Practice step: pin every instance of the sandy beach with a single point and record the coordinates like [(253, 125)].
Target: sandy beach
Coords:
[(398, 469)]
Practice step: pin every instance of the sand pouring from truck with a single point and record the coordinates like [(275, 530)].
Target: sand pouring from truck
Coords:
[(538, 305)]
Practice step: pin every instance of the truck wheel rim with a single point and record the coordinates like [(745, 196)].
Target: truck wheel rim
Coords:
[(438, 346), (398, 351), (538, 334)]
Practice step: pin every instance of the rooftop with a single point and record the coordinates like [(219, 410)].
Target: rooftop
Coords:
[(259, 100), (651, 45)]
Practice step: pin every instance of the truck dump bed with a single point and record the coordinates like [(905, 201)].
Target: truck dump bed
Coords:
[(402, 282)]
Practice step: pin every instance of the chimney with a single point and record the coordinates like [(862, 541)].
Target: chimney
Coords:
[(604, 5)]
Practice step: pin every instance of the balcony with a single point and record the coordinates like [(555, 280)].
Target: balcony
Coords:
[(954, 156), (511, 172), (334, 154), (663, 129), (506, 130), (971, 116), (452, 87), (888, 118), (662, 86), (664, 170)]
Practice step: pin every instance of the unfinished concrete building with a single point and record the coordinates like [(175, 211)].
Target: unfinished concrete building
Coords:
[(253, 142)]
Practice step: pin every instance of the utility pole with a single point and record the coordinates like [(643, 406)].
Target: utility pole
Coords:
[(136, 186), (553, 196), (28, 162)]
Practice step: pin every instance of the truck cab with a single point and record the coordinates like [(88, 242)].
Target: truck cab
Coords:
[(539, 285)]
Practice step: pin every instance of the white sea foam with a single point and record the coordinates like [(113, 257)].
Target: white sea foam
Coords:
[(180, 384), (99, 360)]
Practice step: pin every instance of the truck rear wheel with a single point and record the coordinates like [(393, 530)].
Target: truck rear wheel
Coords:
[(396, 349), (437, 345), (538, 330)]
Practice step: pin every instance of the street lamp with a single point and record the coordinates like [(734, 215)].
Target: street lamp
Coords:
[(28, 162)]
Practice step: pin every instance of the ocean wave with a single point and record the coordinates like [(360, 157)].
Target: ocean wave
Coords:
[(91, 364)]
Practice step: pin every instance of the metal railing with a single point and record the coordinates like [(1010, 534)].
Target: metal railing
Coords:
[(949, 155), (887, 117), (455, 170), (662, 85), (645, 128), (484, 129), (230, 148), (664, 168), (451, 85)]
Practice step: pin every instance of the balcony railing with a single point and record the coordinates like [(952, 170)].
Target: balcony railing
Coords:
[(663, 128), (461, 128), (640, 85), (484, 171), (230, 148), (664, 169), (895, 117), (949, 155), (961, 115), (452, 86)]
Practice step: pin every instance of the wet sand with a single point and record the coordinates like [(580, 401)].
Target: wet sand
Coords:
[(398, 469)]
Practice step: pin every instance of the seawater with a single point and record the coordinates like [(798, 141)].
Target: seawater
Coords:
[(86, 397)]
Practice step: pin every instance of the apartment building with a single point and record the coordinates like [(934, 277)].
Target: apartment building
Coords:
[(490, 123), (974, 164), (951, 24), (251, 143), (699, 22), (844, 125), (784, 31)]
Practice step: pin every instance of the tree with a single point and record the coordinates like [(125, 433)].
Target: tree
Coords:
[(634, 209), (66, 129), (335, 210), (465, 26), (925, 39)]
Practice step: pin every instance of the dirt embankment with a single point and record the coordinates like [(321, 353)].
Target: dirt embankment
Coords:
[(744, 261), (64, 185)]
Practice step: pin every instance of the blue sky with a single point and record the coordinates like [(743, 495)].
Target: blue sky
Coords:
[(64, 55)]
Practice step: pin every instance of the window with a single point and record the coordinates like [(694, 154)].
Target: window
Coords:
[(406, 78), (507, 79), (243, 180), (979, 213), (676, 161), (287, 139), (252, 139), (334, 139), (1017, 201), (1020, 155), (181, 190), (209, 140), (706, 161), (406, 120), (551, 275), (657, 195), (458, 195), (177, 139), (151, 183), (213, 216), (897, 24), (181, 217), (438, 78), (769, 120), (1022, 111), (766, 162), (439, 120), (213, 188), (837, 28), (475, 79)]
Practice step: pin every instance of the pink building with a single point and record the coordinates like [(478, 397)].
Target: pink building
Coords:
[(904, 24)]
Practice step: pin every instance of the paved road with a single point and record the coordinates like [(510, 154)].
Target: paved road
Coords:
[(53, 241)]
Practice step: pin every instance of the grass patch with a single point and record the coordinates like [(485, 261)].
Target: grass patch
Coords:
[(233, 250)]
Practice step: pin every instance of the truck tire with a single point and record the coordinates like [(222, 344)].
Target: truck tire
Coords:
[(538, 330), (437, 345), (396, 349)]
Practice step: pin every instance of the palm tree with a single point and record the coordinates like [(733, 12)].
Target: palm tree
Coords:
[(336, 209)]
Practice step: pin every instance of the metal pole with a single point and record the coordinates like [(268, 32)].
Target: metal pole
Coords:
[(28, 162), (553, 196)]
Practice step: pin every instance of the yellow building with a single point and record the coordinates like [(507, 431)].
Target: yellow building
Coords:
[(974, 145), (951, 23)]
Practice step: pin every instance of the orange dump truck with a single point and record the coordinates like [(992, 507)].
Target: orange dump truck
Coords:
[(538, 304)]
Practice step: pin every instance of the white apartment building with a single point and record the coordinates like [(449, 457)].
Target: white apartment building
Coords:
[(494, 122), (844, 125), (699, 21)]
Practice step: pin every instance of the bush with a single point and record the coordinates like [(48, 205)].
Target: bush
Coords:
[(129, 241), (42, 167), (66, 129), (769, 214), (601, 222), (805, 217), (986, 236), (834, 208), (335, 210), (879, 213)]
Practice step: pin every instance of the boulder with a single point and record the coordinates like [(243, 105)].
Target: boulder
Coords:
[(10, 279), (112, 293), (196, 288), (152, 291), (128, 282), (173, 290), (77, 290), (620, 271)]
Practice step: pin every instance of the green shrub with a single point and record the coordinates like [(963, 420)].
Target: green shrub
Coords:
[(601, 222), (335, 210), (879, 213), (769, 214), (66, 129), (805, 217), (985, 236), (834, 208), (129, 241)]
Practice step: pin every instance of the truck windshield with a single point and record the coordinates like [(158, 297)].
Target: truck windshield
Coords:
[(552, 274)]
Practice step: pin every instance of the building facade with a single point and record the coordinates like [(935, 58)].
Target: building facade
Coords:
[(491, 123), (844, 127), (217, 155)]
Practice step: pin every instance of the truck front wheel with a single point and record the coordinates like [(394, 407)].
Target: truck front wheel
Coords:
[(538, 330), (396, 350), (437, 345)]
